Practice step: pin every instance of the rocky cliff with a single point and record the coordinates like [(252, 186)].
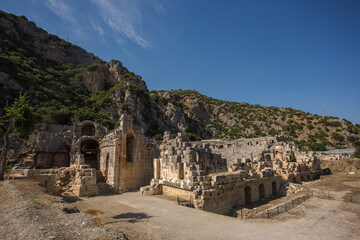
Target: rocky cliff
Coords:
[(65, 84)]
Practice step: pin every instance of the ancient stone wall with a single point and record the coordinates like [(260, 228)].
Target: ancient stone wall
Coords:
[(126, 157), (50, 150), (252, 169)]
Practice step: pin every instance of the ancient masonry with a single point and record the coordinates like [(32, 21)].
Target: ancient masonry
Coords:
[(92, 160), (214, 175), (217, 176)]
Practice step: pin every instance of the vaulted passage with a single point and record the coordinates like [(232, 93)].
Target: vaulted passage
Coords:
[(90, 149), (274, 188), (261, 191), (247, 191)]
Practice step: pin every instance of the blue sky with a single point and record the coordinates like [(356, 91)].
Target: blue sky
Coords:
[(299, 54)]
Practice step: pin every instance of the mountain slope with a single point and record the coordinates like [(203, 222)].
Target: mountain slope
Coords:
[(66, 84), (223, 119)]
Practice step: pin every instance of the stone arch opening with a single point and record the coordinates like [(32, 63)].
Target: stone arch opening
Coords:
[(308, 178), (247, 191), (90, 150), (267, 158), (294, 180), (88, 129), (130, 148), (302, 178), (274, 188), (261, 191)]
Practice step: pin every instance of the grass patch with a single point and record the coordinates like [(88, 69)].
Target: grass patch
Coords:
[(92, 212), (96, 215)]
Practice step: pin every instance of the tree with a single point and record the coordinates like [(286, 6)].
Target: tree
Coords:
[(357, 149), (21, 121)]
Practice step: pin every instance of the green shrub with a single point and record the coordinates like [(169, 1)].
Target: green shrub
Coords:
[(193, 137), (336, 136), (158, 137)]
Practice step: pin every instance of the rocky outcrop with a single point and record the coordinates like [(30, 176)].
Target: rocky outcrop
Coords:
[(46, 45)]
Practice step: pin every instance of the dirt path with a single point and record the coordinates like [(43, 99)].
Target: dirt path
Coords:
[(27, 212), (153, 217)]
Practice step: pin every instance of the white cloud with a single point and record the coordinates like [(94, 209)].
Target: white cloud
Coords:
[(159, 7), (61, 9), (98, 29), (124, 17)]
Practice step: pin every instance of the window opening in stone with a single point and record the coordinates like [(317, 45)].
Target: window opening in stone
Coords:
[(130, 148), (107, 166), (181, 171)]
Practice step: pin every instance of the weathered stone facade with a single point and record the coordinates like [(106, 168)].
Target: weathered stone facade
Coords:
[(126, 157), (217, 175), (102, 161)]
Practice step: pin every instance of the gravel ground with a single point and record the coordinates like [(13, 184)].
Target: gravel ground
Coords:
[(27, 212), (154, 217)]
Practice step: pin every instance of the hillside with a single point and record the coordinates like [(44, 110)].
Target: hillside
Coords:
[(66, 84), (223, 119)]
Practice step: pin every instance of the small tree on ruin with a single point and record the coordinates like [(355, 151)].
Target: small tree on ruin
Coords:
[(20, 121)]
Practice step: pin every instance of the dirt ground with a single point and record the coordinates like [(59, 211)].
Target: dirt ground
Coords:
[(27, 212), (155, 217)]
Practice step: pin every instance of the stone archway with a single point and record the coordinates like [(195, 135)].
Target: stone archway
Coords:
[(261, 191), (274, 188), (308, 178), (247, 191), (90, 149), (88, 129)]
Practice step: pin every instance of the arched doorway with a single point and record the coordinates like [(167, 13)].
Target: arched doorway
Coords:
[(294, 180), (274, 188), (308, 177), (90, 149), (261, 191), (247, 191), (302, 178), (88, 129)]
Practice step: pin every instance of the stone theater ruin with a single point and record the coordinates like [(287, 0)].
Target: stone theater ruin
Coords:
[(219, 175), (213, 175)]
